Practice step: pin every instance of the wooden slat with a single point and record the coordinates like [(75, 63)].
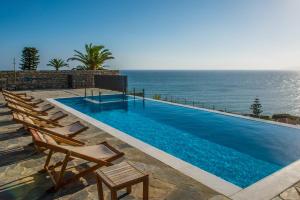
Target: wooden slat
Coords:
[(120, 174)]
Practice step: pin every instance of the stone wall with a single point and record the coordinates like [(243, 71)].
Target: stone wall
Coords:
[(23, 80)]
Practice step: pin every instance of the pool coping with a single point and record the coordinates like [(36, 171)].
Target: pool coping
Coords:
[(265, 188)]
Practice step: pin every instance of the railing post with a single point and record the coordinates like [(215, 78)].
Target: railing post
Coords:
[(92, 93), (85, 92), (143, 94), (100, 97), (133, 93)]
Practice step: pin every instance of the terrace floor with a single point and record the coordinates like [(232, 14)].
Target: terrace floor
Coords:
[(19, 165)]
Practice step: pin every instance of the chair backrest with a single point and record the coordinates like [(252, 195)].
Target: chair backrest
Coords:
[(6, 91), (26, 120), (23, 118), (16, 107), (43, 138), (9, 92), (19, 103), (8, 98), (21, 109), (14, 97)]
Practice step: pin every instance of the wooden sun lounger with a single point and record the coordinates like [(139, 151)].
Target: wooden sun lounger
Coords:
[(33, 102), (70, 130), (101, 155), (28, 122), (16, 100), (19, 108), (32, 110), (20, 95), (41, 108), (53, 117), (14, 93)]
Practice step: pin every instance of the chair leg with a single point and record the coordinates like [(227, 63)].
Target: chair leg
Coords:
[(100, 188), (146, 188), (128, 188), (114, 195), (47, 162), (63, 169), (81, 174), (48, 159)]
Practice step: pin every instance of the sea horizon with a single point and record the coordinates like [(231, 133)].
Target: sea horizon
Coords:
[(231, 90)]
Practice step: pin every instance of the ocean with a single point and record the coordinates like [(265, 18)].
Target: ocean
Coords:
[(234, 91)]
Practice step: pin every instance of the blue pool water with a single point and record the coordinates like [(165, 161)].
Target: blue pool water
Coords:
[(238, 150)]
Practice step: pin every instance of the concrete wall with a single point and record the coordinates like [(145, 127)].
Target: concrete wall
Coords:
[(51, 79)]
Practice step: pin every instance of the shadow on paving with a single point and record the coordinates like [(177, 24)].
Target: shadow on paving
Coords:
[(17, 154), (29, 187), (38, 187), (6, 123), (13, 134), (5, 113)]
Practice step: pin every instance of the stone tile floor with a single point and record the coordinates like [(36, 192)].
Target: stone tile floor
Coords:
[(19, 165), (293, 193)]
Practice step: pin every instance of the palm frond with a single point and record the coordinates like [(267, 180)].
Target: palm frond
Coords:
[(57, 63), (93, 58)]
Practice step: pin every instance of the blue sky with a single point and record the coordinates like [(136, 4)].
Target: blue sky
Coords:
[(157, 34)]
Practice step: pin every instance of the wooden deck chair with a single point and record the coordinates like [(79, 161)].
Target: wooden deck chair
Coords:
[(32, 102), (15, 93), (24, 96), (38, 108), (101, 155), (25, 103), (33, 111), (28, 122), (70, 130), (51, 117)]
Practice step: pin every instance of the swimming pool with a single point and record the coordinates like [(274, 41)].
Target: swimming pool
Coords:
[(238, 150)]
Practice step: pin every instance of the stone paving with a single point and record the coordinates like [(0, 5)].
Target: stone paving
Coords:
[(19, 165), (293, 193)]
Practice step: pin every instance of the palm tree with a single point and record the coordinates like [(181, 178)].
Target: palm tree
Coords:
[(94, 57), (57, 63)]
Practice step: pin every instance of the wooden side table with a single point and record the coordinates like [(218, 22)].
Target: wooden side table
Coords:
[(119, 176)]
